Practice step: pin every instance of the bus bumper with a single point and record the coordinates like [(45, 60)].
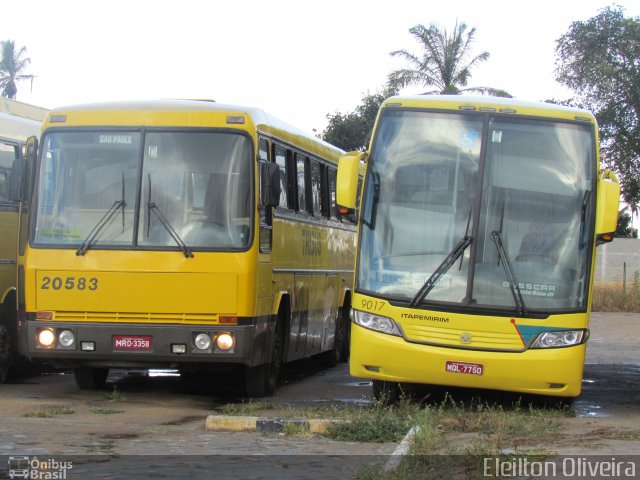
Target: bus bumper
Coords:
[(119, 345), (553, 372)]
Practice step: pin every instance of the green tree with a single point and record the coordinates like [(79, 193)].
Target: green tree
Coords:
[(12, 65), (625, 228), (445, 62), (599, 59), (351, 131)]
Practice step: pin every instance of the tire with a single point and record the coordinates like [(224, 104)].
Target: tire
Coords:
[(387, 393), (261, 381), (5, 353), (90, 378)]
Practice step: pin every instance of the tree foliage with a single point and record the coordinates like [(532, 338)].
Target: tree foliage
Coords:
[(351, 131), (599, 59), (625, 228), (12, 65), (445, 62)]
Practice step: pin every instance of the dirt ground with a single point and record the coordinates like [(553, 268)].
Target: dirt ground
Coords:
[(48, 415)]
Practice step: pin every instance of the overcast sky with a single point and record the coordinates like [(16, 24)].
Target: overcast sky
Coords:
[(298, 59)]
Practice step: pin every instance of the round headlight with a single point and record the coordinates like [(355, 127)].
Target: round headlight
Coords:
[(224, 341), (46, 338), (203, 341), (66, 338)]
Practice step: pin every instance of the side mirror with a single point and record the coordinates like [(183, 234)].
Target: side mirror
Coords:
[(270, 184), (608, 200), (21, 170), (347, 182)]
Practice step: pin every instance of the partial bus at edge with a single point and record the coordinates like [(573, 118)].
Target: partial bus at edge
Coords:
[(183, 234), (477, 237)]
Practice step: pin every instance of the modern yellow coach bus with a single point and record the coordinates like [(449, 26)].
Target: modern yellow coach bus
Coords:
[(183, 234), (477, 235), (18, 121)]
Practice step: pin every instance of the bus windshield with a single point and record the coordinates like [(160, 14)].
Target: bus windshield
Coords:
[(478, 211), (125, 189)]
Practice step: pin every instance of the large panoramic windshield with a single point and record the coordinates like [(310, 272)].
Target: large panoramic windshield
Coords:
[(433, 232), (158, 190)]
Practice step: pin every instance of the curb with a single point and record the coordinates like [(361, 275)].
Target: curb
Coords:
[(217, 423)]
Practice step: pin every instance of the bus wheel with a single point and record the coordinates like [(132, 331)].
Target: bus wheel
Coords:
[(387, 393), (5, 353), (261, 381), (90, 378)]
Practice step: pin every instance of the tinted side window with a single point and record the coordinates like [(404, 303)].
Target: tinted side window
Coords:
[(316, 190), (300, 174), (280, 156)]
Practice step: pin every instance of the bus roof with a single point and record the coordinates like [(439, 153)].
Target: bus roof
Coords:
[(490, 104), (186, 113)]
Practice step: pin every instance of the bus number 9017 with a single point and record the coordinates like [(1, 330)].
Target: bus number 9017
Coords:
[(69, 283)]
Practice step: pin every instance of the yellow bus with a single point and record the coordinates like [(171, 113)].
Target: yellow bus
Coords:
[(17, 122), (476, 244), (183, 234)]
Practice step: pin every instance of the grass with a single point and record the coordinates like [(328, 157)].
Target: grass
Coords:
[(50, 412), (246, 409), (455, 438), (613, 297), (116, 396), (104, 411)]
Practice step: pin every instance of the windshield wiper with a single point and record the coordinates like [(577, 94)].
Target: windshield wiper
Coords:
[(152, 207), (450, 259), (93, 234), (511, 275)]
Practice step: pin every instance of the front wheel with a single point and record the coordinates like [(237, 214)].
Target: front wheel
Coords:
[(90, 378), (388, 393), (261, 381)]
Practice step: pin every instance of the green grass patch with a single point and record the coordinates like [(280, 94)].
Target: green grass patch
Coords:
[(116, 395), (105, 411), (50, 412), (246, 409)]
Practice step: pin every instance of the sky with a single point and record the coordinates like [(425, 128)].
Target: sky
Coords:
[(297, 59)]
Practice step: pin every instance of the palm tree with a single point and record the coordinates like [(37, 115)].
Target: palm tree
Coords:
[(445, 64), (12, 65)]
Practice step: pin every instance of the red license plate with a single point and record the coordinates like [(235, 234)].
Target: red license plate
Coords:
[(132, 342), (464, 367)]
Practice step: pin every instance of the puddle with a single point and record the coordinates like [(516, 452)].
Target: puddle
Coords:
[(584, 410)]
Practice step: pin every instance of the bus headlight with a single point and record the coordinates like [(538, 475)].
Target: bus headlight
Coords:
[(558, 339), (202, 341), (46, 338), (66, 338), (375, 322), (225, 342)]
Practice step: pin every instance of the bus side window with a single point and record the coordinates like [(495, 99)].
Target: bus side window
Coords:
[(8, 154), (301, 173), (316, 190), (332, 208), (280, 156), (263, 150)]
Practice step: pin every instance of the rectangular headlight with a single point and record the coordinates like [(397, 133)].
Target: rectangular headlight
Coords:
[(560, 338), (376, 322)]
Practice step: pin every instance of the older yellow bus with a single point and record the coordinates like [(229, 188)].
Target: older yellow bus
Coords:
[(183, 234), (18, 121), (477, 237)]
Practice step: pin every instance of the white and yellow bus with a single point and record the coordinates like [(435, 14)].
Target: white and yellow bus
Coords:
[(477, 236), (183, 234), (18, 121)]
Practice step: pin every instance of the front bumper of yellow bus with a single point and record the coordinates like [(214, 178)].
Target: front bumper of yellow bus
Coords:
[(553, 372), (139, 345)]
